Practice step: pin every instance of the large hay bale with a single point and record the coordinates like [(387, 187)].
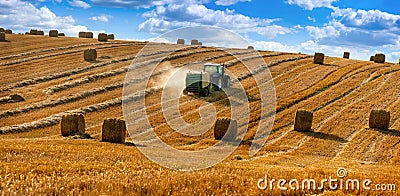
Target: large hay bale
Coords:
[(2, 30), (194, 42), (319, 58), (346, 55), (33, 32), (102, 37), (303, 120), (200, 43), (250, 47), (89, 35), (372, 58), (222, 130), (90, 55), (53, 33), (2, 37), (8, 31), (40, 33), (111, 36), (379, 119), (113, 130), (379, 58), (82, 34), (72, 124), (61, 34), (180, 41)]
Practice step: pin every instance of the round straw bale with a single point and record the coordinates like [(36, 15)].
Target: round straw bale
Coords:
[(180, 41), (90, 55), (89, 35), (200, 43), (346, 55), (303, 120), (33, 32), (250, 47), (113, 130), (53, 33), (40, 33), (225, 129), (319, 58), (379, 119), (102, 37), (2, 30), (372, 58), (8, 31), (61, 34), (194, 42), (111, 36), (72, 124), (82, 34), (379, 58), (2, 37)]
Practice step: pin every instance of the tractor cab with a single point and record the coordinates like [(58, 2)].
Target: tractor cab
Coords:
[(217, 75), (213, 69)]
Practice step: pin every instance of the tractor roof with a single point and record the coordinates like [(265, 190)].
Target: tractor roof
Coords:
[(212, 64)]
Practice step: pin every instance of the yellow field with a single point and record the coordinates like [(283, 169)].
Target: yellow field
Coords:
[(52, 76)]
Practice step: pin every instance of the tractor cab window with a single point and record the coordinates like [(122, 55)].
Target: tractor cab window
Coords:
[(211, 69), (220, 69)]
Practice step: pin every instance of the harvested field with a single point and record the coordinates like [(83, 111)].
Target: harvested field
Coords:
[(45, 81)]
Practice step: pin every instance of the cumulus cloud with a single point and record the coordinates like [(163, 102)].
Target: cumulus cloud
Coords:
[(79, 3), (311, 4), (229, 2), (132, 3), (101, 18), (21, 16), (171, 16)]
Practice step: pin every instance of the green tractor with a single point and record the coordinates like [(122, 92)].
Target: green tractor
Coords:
[(212, 77)]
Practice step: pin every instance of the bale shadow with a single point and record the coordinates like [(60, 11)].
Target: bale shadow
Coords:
[(324, 136), (391, 132)]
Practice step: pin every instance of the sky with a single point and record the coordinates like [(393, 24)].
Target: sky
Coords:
[(330, 26)]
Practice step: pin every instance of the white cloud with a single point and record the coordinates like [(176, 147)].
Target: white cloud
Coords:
[(21, 16), (164, 18), (79, 3), (101, 18), (132, 3), (311, 19), (229, 2), (311, 4)]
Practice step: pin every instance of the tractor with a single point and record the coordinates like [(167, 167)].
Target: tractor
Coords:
[(212, 77)]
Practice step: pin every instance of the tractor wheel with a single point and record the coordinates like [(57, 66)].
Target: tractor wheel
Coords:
[(226, 83), (206, 92), (185, 92)]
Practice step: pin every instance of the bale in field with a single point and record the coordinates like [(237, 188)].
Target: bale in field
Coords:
[(194, 42), (346, 55), (113, 130), (33, 32), (2, 37), (319, 58), (250, 47), (180, 41), (111, 36), (372, 58), (82, 34), (90, 55), (40, 33), (72, 124), (89, 35), (379, 119), (61, 34), (102, 37), (222, 130), (8, 31), (379, 58), (200, 43), (2, 30), (53, 33), (303, 120)]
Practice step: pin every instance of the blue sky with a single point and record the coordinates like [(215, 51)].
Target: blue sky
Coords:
[(330, 26)]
